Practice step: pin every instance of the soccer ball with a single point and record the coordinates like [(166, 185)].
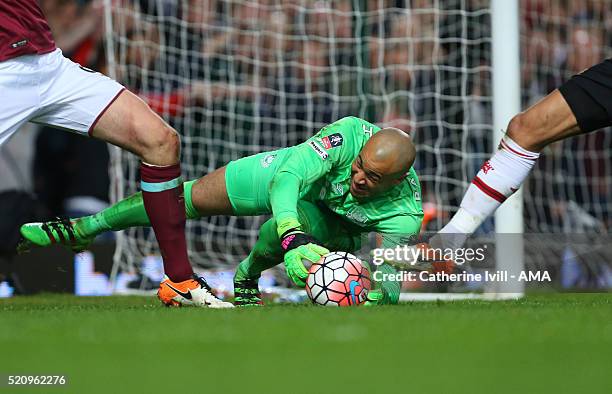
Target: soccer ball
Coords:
[(338, 279)]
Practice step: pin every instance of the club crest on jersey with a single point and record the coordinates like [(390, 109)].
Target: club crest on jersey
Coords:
[(318, 149), (267, 160), (332, 141)]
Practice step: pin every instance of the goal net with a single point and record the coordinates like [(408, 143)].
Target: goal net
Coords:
[(236, 78), (567, 205)]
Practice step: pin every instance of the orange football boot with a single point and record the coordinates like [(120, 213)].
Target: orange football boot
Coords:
[(195, 292)]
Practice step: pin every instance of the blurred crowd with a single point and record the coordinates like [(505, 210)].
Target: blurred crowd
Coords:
[(238, 77)]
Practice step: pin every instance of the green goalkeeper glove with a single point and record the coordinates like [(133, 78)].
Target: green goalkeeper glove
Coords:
[(300, 246), (375, 297)]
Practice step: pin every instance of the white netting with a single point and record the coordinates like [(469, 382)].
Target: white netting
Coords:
[(567, 197), (569, 190), (241, 77)]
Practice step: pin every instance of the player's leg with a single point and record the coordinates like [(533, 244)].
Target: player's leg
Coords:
[(215, 205), (209, 195), (87, 102), (131, 212), (549, 120), (206, 196), (267, 251), (78, 233), (264, 255), (503, 173), (129, 123), (580, 105)]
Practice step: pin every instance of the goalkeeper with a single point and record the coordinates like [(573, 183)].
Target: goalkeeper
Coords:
[(348, 179)]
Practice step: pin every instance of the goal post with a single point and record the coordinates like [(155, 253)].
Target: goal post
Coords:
[(506, 74)]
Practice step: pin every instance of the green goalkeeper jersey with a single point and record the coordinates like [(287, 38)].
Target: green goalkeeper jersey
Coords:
[(319, 171)]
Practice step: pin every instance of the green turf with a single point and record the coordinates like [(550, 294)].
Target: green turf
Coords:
[(542, 344)]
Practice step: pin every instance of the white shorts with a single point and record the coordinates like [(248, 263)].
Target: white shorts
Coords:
[(52, 90)]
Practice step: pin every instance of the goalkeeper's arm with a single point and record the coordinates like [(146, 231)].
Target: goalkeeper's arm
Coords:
[(284, 194), (384, 291), (395, 231), (304, 165)]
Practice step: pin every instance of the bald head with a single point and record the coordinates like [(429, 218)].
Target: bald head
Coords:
[(391, 148), (383, 162)]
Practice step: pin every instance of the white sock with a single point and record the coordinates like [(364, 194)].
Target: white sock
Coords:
[(497, 180)]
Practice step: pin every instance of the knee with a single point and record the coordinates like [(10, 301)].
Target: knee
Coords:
[(267, 247), (524, 131), (517, 127), (164, 139), (263, 254), (161, 145)]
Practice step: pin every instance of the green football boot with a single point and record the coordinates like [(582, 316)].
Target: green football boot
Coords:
[(246, 293), (60, 231)]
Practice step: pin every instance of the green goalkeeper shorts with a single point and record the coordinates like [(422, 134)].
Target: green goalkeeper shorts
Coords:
[(248, 182)]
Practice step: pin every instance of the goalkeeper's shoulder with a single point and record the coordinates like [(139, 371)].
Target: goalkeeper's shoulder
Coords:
[(335, 144), (351, 128)]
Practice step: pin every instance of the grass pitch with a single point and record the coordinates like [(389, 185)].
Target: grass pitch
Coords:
[(541, 344)]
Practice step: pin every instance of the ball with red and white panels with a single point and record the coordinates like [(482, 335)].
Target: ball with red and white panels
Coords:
[(338, 279)]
